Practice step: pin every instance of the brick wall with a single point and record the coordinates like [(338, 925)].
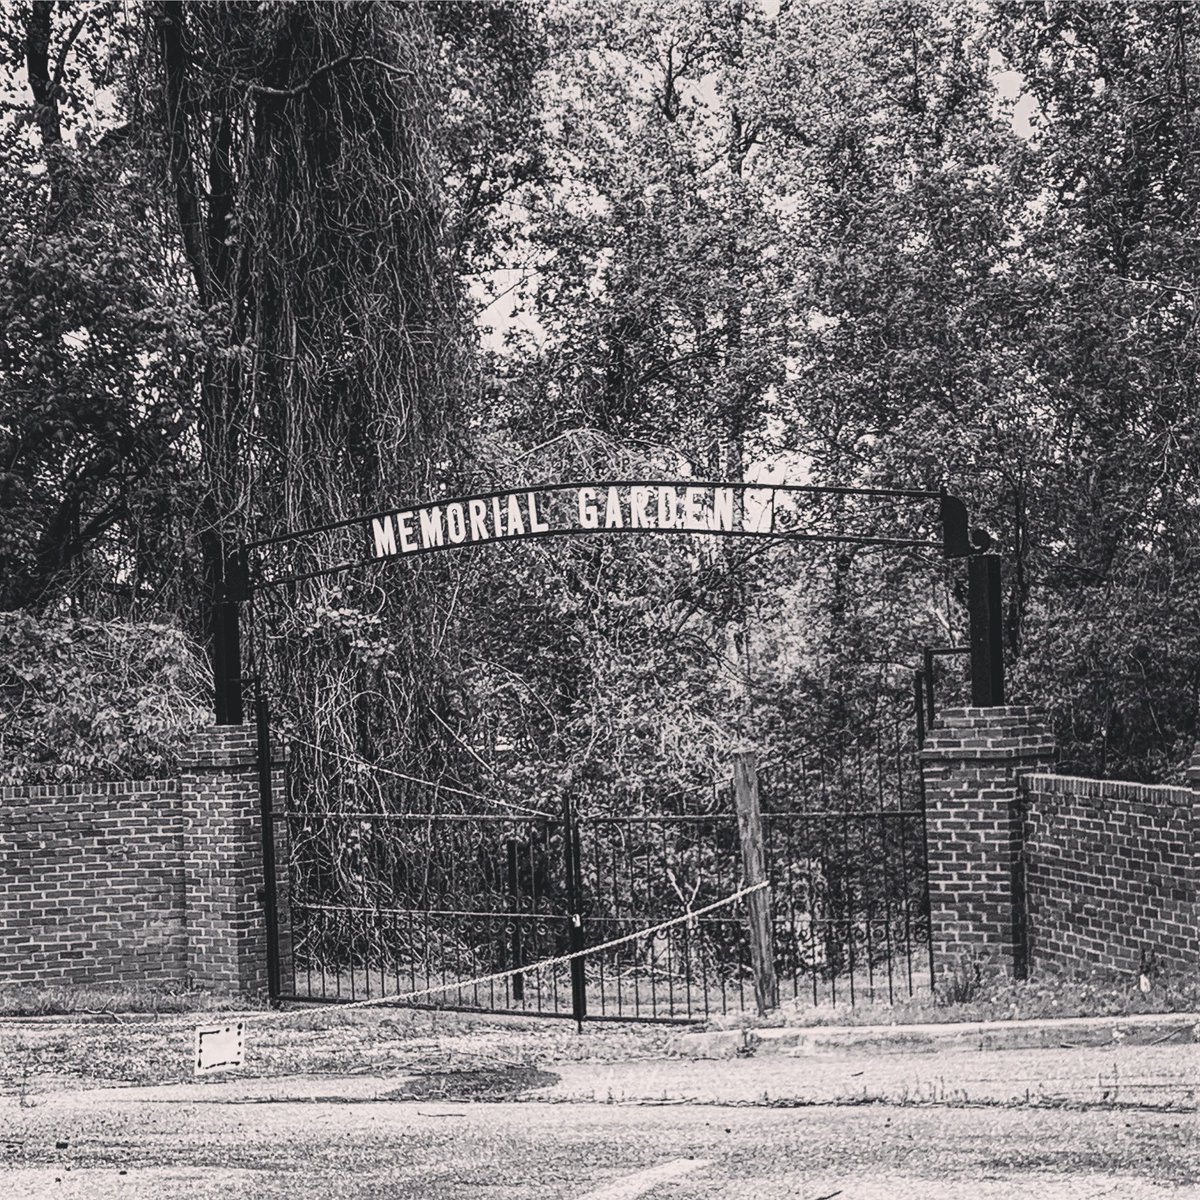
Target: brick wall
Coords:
[(972, 761), (156, 881), (1111, 873), (1029, 870), (92, 883)]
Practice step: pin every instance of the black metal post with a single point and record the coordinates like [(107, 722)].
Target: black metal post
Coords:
[(227, 657), (227, 588), (574, 910), (986, 633), (956, 538), (514, 907), (269, 893), (1020, 918), (929, 709), (926, 682), (926, 904)]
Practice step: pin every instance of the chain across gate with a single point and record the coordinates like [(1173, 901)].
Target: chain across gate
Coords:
[(381, 903)]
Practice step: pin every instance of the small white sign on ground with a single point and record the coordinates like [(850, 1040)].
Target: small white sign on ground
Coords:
[(220, 1047)]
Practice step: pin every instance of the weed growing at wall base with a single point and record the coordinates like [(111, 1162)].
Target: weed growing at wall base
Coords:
[(962, 984)]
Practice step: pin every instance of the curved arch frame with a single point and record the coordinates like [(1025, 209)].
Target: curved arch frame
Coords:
[(622, 507), (696, 508)]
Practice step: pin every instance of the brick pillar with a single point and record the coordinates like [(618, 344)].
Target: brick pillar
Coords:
[(222, 860), (973, 759)]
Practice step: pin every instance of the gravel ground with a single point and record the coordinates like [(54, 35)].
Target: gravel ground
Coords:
[(135, 1147)]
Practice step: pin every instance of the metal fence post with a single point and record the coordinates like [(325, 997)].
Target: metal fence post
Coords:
[(514, 907), (574, 880), (926, 909), (758, 904), (987, 634), (269, 892), (1020, 911), (227, 584)]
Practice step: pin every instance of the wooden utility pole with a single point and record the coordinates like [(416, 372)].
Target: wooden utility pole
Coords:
[(758, 904)]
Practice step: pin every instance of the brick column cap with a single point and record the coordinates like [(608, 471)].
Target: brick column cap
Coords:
[(1012, 732), (976, 714)]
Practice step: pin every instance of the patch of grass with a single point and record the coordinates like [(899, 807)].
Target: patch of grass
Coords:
[(36, 1000), (1078, 994), (972, 993), (41, 1057), (963, 984)]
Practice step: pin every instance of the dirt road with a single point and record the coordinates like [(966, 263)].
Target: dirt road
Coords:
[(1117, 1122), (406, 1105), (134, 1147)]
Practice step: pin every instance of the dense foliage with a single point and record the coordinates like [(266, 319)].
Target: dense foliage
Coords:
[(84, 699), (884, 243)]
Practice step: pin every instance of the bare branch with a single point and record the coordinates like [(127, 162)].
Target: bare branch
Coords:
[(260, 89)]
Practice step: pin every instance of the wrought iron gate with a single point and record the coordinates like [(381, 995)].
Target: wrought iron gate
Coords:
[(391, 893), (429, 906)]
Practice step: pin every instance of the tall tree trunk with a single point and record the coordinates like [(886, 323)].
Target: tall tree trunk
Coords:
[(210, 262)]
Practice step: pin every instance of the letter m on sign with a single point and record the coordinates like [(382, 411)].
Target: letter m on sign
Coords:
[(385, 536)]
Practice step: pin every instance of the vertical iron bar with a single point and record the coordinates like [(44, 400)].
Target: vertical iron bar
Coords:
[(687, 967), (226, 587), (889, 949), (514, 907), (814, 951), (701, 941), (789, 830), (574, 882), (394, 927), (923, 865), (847, 885), (649, 909), (986, 632), (412, 950), (267, 811), (662, 840), (601, 847), (435, 837), (929, 683), (867, 877), (578, 965), (831, 932), (637, 985), (1020, 922), (539, 857), (905, 823), (995, 628)]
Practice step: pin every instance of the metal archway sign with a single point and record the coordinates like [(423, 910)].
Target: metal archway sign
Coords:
[(688, 507), (623, 506)]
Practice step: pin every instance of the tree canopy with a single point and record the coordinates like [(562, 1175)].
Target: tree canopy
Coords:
[(264, 266)]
